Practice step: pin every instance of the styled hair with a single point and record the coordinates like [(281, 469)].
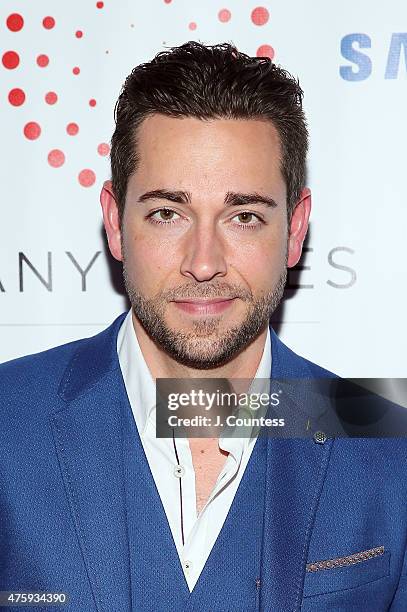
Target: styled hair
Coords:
[(210, 82)]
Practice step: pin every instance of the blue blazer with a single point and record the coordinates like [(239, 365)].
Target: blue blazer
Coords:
[(335, 514)]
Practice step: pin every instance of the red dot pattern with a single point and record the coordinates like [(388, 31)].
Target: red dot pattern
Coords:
[(192, 25), (86, 177), (56, 158), (72, 129), (16, 97), (103, 149), (51, 97), (260, 15), (48, 23), (224, 15), (15, 22), (32, 130), (43, 60), (265, 51), (10, 60)]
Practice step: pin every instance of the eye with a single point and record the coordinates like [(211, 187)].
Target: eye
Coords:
[(244, 220), (165, 216)]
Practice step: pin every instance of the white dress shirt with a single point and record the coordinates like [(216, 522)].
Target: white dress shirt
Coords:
[(200, 531)]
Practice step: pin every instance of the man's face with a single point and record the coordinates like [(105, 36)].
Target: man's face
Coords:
[(185, 247)]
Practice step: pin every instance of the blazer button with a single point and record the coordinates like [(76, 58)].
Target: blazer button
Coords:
[(320, 437)]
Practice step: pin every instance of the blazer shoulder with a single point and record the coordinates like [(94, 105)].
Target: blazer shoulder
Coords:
[(317, 370), (38, 377), (288, 363), (38, 370)]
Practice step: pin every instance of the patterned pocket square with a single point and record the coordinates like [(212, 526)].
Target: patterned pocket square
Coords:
[(358, 557)]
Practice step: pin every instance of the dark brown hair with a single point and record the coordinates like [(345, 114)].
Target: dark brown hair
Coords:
[(210, 82)]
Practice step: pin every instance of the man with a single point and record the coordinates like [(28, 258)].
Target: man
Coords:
[(207, 207)]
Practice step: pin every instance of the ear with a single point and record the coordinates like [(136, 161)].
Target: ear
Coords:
[(111, 220), (298, 227)]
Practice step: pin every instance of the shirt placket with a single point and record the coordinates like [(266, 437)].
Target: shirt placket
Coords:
[(193, 553)]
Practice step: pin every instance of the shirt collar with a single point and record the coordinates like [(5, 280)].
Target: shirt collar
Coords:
[(139, 383)]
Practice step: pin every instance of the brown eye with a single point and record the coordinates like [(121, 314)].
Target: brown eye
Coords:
[(244, 217), (248, 220), (165, 214)]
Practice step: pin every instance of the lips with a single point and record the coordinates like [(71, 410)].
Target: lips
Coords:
[(202, 301), (204, 307)]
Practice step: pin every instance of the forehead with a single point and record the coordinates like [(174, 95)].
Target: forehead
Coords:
[(174, 149)]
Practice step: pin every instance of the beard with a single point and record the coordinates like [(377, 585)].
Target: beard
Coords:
[(206, 345)]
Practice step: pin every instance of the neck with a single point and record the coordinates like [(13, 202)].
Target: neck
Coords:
[(161, 365)]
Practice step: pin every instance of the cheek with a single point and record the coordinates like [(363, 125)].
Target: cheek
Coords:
[(261, 269), (147, 260), (261, 263)]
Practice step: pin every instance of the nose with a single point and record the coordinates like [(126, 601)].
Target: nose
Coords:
[(204, 256)]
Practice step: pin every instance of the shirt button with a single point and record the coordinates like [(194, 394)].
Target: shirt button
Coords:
[(179, 471), (188, 566)]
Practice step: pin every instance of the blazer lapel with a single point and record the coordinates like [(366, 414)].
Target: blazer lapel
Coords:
[(88, 439), (296, 470)]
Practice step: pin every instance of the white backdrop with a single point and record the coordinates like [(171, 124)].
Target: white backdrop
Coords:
[(351, 59)]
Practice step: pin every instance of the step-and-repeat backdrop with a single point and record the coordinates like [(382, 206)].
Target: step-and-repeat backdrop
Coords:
[(62, 68)]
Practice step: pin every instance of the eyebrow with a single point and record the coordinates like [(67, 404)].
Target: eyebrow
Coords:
[(231, 199)]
